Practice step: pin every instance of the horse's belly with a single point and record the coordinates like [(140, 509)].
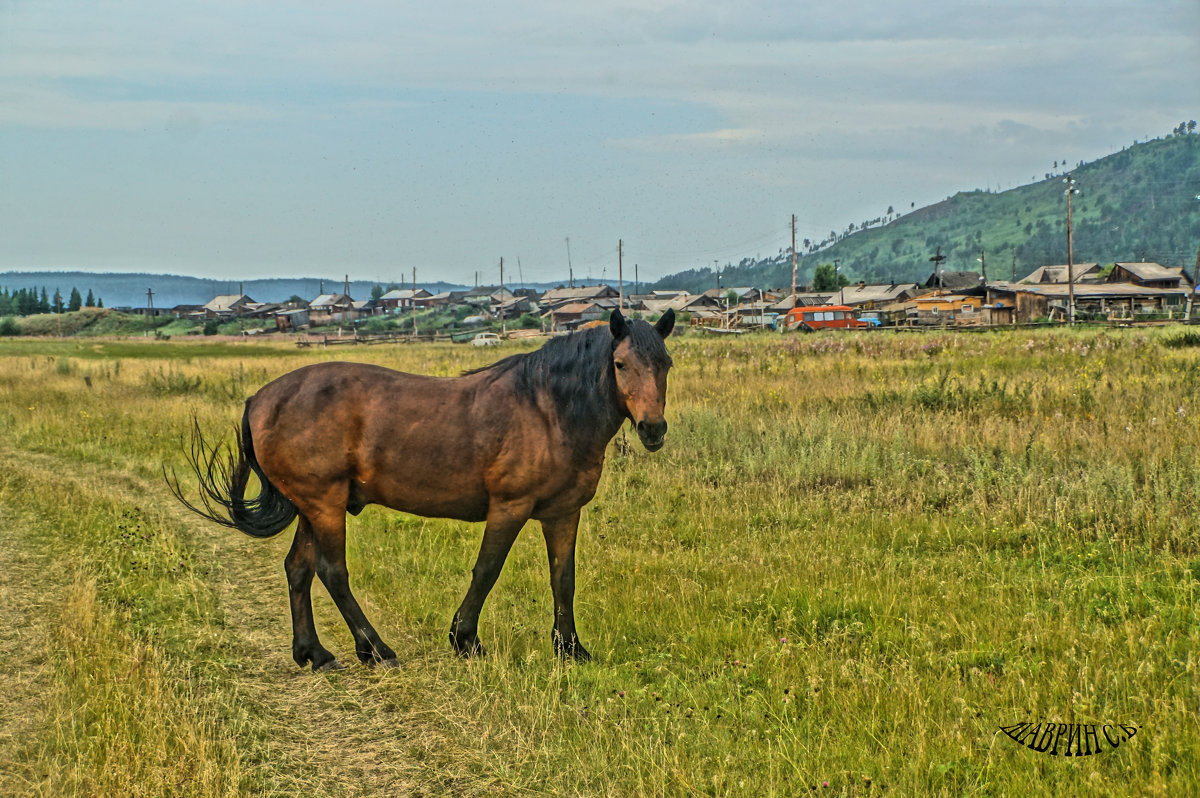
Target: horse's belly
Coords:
[(431, 501)]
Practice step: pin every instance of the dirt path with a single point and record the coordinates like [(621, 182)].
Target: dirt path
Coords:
[(29, 584), (338, 734)]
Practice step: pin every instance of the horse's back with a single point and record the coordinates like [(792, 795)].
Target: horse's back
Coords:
[(376, 435)]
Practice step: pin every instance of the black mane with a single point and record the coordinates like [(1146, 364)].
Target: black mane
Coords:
[(577, 370)]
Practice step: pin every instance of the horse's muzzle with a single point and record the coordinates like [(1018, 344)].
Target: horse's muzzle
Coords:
[(652, 434)]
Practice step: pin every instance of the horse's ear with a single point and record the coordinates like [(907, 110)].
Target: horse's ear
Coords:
[(618, 325), (666, 323)]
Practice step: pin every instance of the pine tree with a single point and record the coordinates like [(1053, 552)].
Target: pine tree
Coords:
[(28, 301), (58, 303), (76, 301), (91, 300), (44, 302), (99, 302)]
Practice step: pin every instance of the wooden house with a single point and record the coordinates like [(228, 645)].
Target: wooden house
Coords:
[(402, 299), (949, 309)]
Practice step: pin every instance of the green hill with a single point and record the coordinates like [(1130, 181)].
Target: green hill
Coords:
[(1139, 204)]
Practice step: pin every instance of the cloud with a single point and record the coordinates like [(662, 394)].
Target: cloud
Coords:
[(680, 142), (51, 108)]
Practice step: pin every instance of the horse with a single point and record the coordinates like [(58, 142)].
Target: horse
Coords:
[(523, 438)]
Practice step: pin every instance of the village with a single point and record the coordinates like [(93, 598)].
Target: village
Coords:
[(1120, 292)]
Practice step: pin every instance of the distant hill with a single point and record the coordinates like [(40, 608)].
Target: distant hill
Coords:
[(129, 289), (1135, 205)]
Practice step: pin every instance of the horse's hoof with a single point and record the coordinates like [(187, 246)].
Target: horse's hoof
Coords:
[(326, 667), (469, 649), (386, 664), (573, 650)]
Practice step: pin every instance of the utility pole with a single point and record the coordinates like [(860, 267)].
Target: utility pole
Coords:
[(1014, 266), (793, 260), (412, 301), (620, 276), (1071, 190), (937, 259), (637, 288), (1195, 276), (983, 265), (503, 327), (570, 271), (1192, 293)]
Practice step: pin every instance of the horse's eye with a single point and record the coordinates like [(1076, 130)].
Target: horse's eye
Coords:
[(620, 366)]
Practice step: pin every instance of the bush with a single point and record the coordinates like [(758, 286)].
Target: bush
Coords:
[(9, 326), (1186, 338), (211, 327)]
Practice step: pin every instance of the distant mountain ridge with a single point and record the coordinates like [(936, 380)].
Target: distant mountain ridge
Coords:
[(129, 289), (1139, 204)]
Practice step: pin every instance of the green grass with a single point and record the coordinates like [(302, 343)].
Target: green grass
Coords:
[(856, 559)]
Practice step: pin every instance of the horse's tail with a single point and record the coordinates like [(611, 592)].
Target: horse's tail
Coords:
[(223, 472)]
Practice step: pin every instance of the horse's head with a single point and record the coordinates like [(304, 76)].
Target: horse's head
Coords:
[(640, 363)]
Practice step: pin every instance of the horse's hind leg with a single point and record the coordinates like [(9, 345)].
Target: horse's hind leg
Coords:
[(329, 532), (300, 566)]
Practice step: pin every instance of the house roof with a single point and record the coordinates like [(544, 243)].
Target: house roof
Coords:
[(579, 307), (1058, 273), (561, 294), (805, 299), (661, 305), (226, 302), (861, 294), (328, 300), (406, 293), (955, 281), (1151, 272)]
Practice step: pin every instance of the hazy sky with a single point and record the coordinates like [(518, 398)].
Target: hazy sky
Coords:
[(257, 139)]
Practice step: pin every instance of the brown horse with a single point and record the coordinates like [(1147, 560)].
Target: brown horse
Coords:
[(523, 438)]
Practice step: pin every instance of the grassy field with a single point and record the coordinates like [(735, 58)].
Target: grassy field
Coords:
[(857, 557)]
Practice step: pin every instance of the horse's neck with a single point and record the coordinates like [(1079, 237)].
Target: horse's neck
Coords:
[(586, 405)]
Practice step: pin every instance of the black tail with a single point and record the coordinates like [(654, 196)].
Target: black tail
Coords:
[(223, 473)]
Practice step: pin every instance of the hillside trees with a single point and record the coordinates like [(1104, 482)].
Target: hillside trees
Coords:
[(1137, 203), (32, 301), (827, 278)]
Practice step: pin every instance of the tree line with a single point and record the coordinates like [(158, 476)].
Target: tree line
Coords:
[(30, 302)]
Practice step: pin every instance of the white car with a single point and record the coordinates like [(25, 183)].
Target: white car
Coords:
[(486, 339)]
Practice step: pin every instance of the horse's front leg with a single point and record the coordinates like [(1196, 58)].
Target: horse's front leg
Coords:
[(504, 522), (560, 549)]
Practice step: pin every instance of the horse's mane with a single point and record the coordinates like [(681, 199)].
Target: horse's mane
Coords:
[(577, 371)]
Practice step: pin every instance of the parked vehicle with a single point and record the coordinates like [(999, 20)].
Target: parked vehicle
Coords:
[(486, 339), (822, 317)]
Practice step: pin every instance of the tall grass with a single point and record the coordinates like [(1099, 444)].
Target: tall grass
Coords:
[(857, 558)]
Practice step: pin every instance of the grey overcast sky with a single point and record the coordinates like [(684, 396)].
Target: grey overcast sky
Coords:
[(234, 138)]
